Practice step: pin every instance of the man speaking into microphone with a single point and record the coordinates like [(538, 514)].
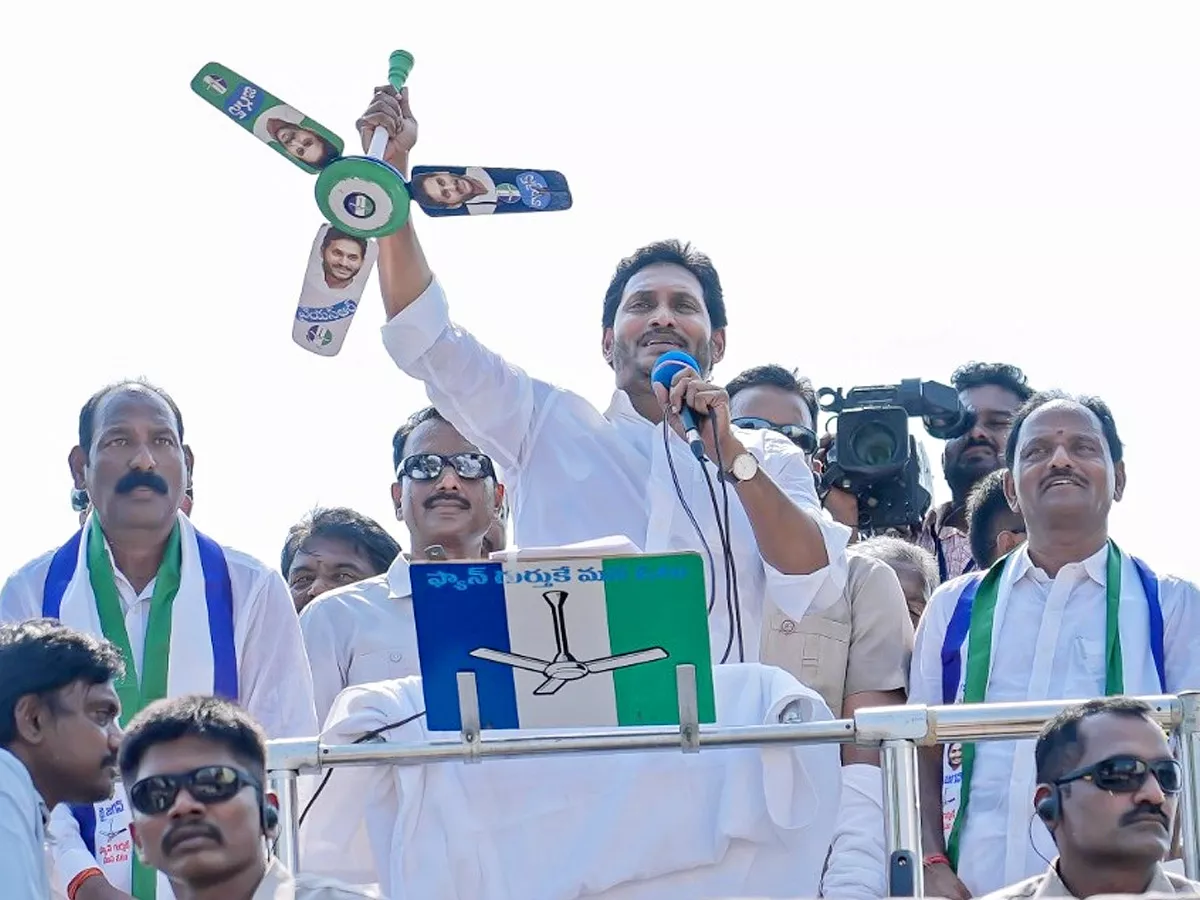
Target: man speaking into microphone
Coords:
[(577, 473)]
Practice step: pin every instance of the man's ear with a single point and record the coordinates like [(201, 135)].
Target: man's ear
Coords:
[(137, 841), (271, 815), (398, 500), (606, 345), (77, 461), (1119, 486), (189, 462), (1040, 793), (1010, 491), (1007, 541), (498, 505), (718, 345), (30, 715)]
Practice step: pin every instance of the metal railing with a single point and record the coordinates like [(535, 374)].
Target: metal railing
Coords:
[(896, 730)]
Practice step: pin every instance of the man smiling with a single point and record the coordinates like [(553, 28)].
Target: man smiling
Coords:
[(579, 473), (187, 614), (448, 495), (1066, 615)]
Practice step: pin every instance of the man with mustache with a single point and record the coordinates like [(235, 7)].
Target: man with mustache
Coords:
[(585, 474), (342, 257), (1108, 792), (187, 614), (58, 738), (1068, 614), (992, 392), (332, 548), (448, 495), (196, 767)]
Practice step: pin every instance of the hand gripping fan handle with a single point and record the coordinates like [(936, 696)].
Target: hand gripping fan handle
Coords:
[(379, 142)]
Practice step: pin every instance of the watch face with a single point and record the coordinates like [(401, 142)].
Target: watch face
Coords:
[(744, 467)]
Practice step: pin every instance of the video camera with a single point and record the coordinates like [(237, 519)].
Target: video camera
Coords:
[(873, 455)]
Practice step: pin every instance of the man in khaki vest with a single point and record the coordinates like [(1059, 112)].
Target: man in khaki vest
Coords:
[(854, 652)]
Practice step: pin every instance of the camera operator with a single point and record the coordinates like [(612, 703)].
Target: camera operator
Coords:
[(992, 392), (581, 474), (853, 650)]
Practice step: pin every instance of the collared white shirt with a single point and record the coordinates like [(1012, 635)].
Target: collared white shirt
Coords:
[(1049, 645), (576, 474), (280, 884), (360, 633), (22, 832), (274, 683)]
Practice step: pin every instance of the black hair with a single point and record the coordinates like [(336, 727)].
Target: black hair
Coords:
[(400, 438), (43, 656), (87, 415), (1059, 747), (1002, 375), (361, 532), (777, 376), (674, 253), (211, 718), (985, 504), (332, 234), (1098, 407), (429, 199)]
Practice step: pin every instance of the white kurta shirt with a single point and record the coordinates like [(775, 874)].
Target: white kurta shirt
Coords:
[(274, 684), (1049, 644), (360, 633), (576, 474), (22, 832)]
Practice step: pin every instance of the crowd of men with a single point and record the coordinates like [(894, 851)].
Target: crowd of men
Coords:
[(144, 663)]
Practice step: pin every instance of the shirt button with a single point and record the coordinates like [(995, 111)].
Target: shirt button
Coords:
[(396, 657), (788, 626)]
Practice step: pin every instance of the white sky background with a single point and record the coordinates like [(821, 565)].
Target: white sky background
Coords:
[(887, 190)]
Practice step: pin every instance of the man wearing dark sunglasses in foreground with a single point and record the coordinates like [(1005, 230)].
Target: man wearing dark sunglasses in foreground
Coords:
[(861, 632), (1108, 794), (195, 767), (448, 496)]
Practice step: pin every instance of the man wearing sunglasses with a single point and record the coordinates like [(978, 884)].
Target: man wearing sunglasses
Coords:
[(1067, 614), (853, 647), (1108, 793), (195, 767), (585, 473), (448, 495)]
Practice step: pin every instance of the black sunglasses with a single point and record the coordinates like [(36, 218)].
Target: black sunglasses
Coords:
[(429, 466), (804, 438), (156, 794), (1126, 774)]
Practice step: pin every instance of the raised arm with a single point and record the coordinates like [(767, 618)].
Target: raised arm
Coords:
[(492, 404)]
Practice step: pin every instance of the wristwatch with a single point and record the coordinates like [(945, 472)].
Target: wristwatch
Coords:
[(744, 467)]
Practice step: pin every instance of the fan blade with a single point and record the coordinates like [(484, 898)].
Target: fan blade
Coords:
[(624, 660), (483, 190), (338, 269), (286, 130), (548, 687), (511, 659)]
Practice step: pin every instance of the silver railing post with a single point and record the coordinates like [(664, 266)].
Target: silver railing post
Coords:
[(1189, 742), (897, 729), (283, 784)]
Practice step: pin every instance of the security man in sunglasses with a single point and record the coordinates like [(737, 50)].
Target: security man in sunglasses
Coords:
[(449, 497), (1108, 794), (861, 632), (195, 768)]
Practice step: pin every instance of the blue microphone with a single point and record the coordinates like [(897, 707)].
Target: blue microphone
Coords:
[(665, 369)]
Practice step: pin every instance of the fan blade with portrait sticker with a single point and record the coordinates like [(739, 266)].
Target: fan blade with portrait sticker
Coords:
[(289, 132), (485, 190), (339, 266)]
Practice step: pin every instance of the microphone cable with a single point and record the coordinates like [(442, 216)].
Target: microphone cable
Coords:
[(712, 581), (363, 739)]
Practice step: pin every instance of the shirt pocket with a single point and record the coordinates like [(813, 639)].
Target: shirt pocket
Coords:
[(814, 649), (382, 665), (1086, 672)]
